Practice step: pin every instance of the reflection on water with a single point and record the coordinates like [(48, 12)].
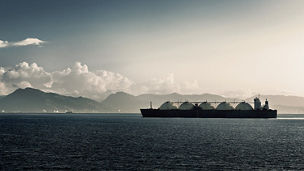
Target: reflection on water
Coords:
[(130, 142), (291, 116)]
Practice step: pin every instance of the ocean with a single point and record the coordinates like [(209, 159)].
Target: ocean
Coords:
[(130, 142)]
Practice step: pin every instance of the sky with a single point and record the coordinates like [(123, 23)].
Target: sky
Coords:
[(91, 48)]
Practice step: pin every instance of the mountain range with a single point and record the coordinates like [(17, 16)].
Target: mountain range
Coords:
[(34, 100)]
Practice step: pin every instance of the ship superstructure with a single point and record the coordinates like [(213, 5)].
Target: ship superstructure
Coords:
[(207, 110)]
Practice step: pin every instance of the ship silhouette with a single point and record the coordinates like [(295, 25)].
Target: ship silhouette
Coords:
[(206, 110)]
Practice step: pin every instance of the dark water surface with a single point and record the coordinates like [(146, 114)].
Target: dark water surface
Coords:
[(128, 141)]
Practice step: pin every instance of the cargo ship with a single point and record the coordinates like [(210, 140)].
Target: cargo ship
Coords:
[(207, 110)]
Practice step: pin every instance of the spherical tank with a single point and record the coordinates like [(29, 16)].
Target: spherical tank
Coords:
[(186, 106), (206, 106), (224, 106), (243, 106), (168, 106)]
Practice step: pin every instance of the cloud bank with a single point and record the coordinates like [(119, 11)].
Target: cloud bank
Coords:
[(3, 44), (167, 84), (78, 80), (25, 42)]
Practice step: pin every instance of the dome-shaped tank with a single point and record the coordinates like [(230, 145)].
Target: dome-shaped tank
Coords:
[(206, 106), (186, 106), (243, 106), (224, 106), (168, 106)]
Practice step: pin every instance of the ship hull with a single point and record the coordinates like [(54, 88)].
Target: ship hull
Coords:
[(197, 113)]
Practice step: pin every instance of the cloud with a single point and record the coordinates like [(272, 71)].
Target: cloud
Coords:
[(29, 41), (3, 44), (78, 80), (25, 42), (163, 85), (167, 84), (24, 75)]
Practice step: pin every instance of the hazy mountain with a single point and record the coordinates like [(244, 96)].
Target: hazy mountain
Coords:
[(33, 100), (124, 102)]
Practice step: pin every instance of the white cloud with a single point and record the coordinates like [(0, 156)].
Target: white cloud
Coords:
[(29, 41), (24, 75), (3, 44), (78, 80), (162, 85), (167, 84), (25, 42)]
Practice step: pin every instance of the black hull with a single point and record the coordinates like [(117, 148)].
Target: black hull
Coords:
[(197, 113)]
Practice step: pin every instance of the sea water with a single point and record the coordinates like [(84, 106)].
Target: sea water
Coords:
[(130, 142)]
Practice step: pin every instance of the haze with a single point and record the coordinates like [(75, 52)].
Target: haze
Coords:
[(90, 48)]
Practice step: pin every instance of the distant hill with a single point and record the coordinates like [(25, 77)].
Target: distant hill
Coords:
[(33, 100), (124, 102)]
